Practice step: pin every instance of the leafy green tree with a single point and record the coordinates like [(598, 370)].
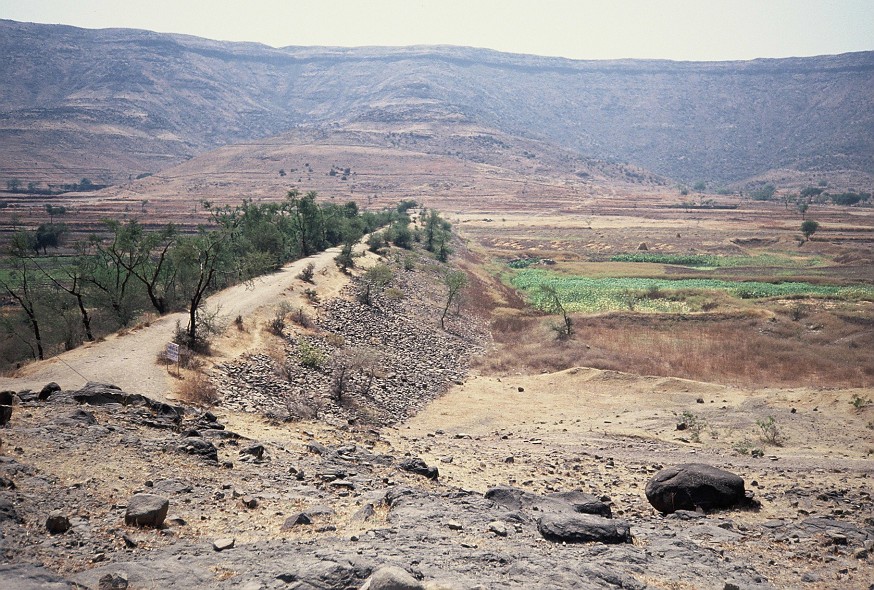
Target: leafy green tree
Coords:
[(146, 256), (344, 259), (203, 264), (764, 193), (808, 228), (69, 278), (49, 235), (307, 221)]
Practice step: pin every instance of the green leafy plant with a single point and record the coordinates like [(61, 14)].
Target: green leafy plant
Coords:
[(860, 402), (693, 423), (307, 273), (747, 447), (310, 356), (769, 432)]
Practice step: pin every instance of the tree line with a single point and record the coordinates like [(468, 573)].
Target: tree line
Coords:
[(106, 281)]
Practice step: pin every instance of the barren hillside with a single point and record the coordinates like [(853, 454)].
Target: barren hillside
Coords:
[(114, 104)]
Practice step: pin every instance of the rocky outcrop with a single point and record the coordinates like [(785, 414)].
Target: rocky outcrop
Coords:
[(694, 486)]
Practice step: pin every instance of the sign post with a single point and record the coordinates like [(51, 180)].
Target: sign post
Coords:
[(172, 355)]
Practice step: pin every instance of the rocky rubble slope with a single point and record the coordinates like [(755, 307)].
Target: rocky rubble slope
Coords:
[(318, 507)]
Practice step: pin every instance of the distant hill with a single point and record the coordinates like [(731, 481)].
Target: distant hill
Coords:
[(114, 104)]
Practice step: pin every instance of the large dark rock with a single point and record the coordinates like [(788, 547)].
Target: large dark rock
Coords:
[(57, 523), (48, 390), (98, 394), (146, 510), (6, 399), (574, 527), (31, 577), (419, 467), (694, 485), (199, 447), (574, 501)]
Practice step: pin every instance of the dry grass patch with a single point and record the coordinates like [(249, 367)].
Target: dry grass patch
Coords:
[(746, 350)]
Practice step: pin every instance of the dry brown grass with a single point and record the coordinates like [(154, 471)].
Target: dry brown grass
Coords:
[(744, 349), (197, 389)]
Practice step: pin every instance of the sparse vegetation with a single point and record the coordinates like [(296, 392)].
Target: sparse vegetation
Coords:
[(199, 390), (858, 401), (307, 273), (310, 356), (692, 422), (769, 432)]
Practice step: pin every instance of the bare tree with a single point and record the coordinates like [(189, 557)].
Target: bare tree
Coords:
[(554, 305)]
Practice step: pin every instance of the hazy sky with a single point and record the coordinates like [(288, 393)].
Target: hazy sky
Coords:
[(582, 29)]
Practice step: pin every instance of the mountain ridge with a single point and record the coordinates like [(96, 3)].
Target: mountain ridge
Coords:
[(133, 101)]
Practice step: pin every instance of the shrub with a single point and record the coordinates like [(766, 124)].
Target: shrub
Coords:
[(693, 423), (375, 241), (199, 390), (310, 356), (770, 432), (746, 447), (307, 273), (860, 402)]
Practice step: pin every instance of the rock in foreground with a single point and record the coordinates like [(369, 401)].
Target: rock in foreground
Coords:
[(574, 527), (146, 510), (691, 486)]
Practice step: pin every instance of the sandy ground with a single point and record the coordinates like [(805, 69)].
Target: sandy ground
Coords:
[(130, 359)]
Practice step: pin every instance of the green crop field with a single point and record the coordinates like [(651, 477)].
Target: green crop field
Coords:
[(582, 294), (713, 261)]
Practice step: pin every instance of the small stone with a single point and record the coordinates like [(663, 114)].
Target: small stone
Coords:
[(223, 544), (249, 502), (57, 523), (297, 519), (454, 525), (498, 528)]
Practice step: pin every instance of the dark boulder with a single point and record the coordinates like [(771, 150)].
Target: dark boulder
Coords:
[(57, 523), (6, 399), (99, 394), (146, 510), (199, 447), (691, 486), (253, 452), (574, 527), (48, 390), (419, 467)]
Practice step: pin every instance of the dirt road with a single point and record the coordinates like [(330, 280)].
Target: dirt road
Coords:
[(129, 359)]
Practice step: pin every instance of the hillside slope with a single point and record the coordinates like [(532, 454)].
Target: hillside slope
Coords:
[(117, 103)]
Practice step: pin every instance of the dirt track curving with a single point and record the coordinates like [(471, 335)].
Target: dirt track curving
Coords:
[(129, 359)]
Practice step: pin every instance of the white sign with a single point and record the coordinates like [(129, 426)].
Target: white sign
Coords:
[(172, 352)]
